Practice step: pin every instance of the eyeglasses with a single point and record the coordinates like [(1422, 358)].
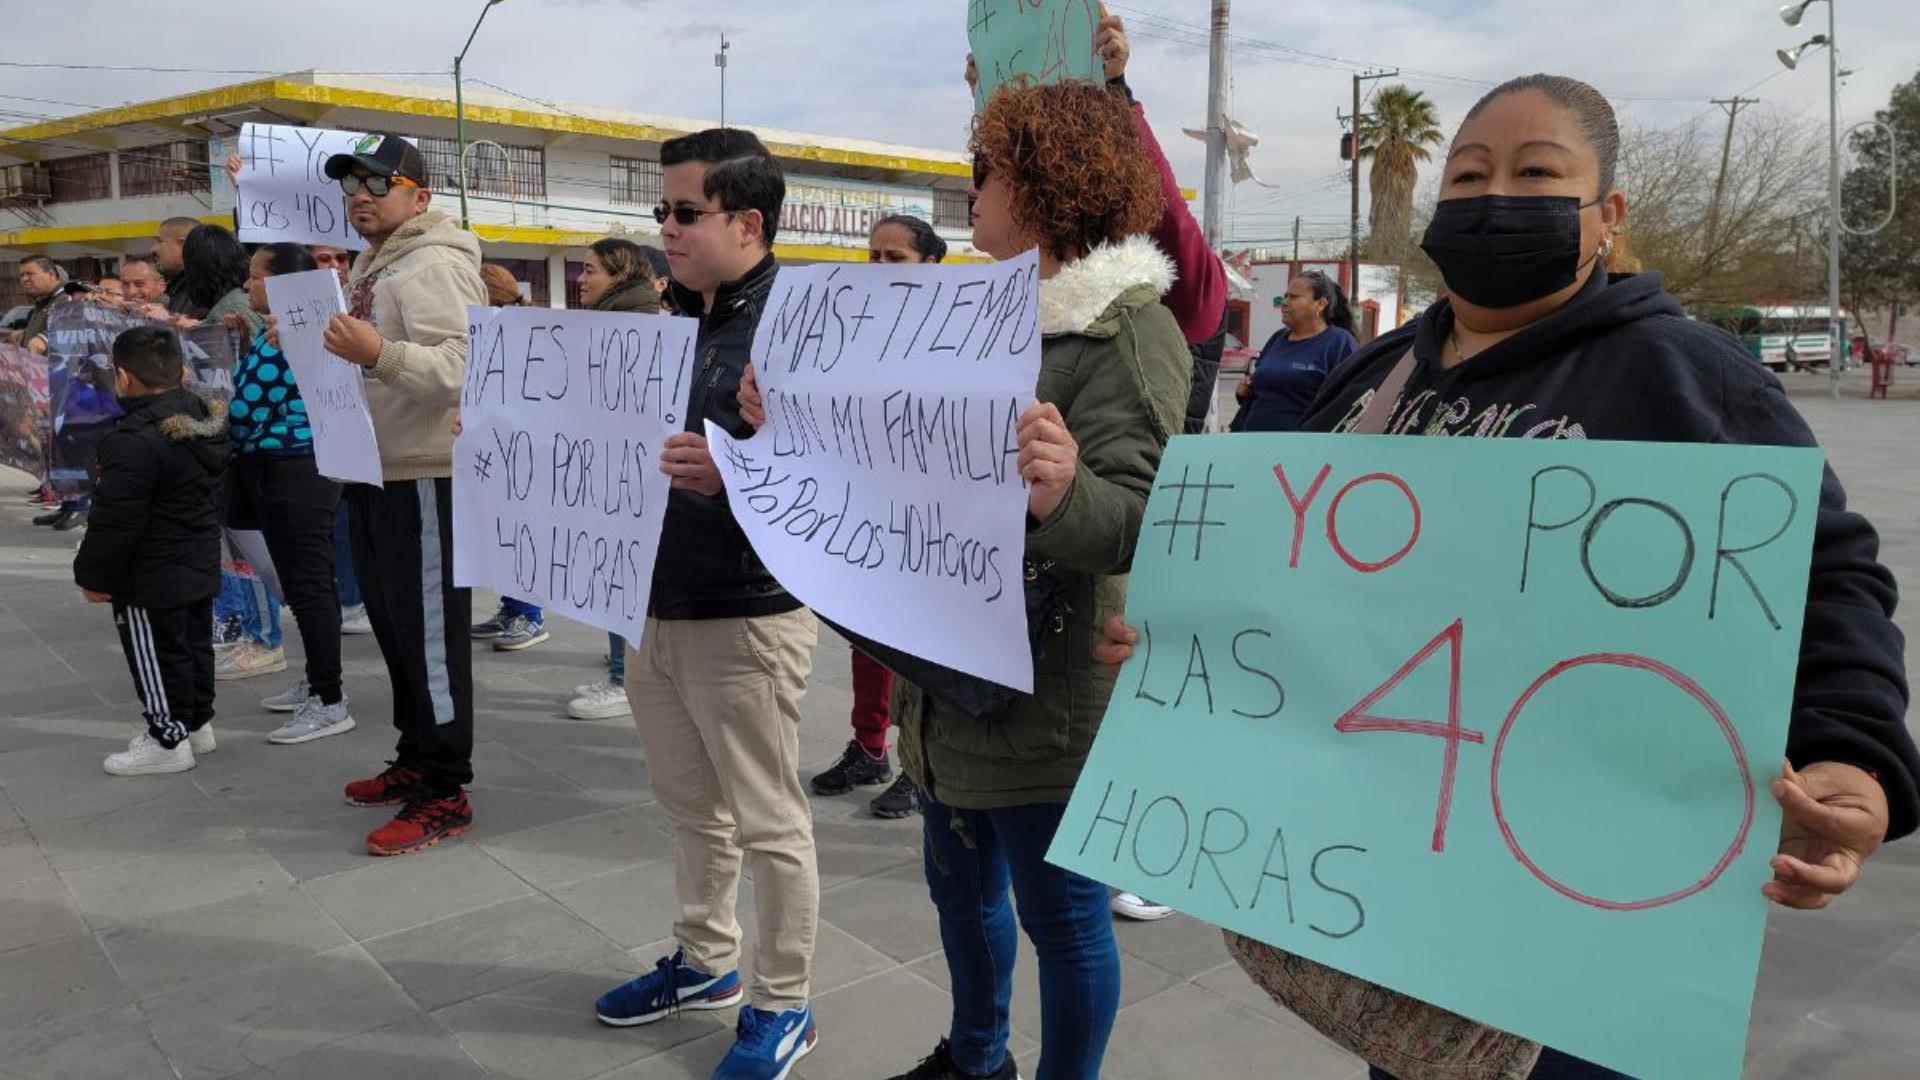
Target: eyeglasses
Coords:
[(376, 186), (979, 173), (684, 216)]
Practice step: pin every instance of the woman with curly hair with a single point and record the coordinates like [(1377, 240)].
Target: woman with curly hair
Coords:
[(1061, 169)]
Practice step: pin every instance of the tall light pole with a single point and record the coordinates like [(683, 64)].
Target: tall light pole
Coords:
[(1213, 210), (460, 108), (720, 61), (1836, 327)]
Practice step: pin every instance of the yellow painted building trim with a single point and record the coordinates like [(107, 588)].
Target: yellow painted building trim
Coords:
[(148, 112), (93, 234), (341, 97)]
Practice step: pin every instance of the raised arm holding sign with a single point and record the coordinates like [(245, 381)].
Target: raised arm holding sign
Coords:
[(344, 445)]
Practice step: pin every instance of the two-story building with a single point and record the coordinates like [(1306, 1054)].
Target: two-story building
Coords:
[(544, 180)]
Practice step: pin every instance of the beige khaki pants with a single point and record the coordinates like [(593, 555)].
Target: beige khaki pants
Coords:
[(717, 704)]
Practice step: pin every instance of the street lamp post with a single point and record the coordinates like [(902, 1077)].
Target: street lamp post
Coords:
[(460, 109), (1836, 327)]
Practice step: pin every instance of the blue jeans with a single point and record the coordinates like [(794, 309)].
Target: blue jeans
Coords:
[(345, 584), (1553, 1065), (246, 607), (511, 608), (1064, 914), (616, 660)]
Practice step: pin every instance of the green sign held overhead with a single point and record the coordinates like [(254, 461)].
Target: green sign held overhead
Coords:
[(1488, 722), (1038, 41)]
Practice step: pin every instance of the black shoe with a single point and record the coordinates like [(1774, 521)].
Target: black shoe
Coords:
[(940, 1067), (898, 801), (69, 519), (856, 768), (49, 517)]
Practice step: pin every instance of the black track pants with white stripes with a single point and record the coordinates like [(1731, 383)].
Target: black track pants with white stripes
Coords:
[(170, 652)]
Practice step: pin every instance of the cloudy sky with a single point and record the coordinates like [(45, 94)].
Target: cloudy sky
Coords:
[(892, 71)]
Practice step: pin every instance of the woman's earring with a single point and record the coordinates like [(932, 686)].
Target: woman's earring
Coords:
[(1606, 246)]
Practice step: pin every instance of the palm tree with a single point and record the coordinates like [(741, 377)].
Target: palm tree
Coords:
[(1403, 125)]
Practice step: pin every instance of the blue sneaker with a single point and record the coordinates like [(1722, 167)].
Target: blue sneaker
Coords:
[(671, 987), (520, 632), (768, 1044)]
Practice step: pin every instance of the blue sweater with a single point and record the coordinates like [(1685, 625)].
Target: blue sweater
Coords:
[(1289, 374), (267, 415)]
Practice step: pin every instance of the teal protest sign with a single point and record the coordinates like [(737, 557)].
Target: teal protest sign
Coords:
[(1041, 41), (1489, 722)]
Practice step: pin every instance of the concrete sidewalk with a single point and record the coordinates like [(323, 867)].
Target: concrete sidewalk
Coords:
[(225, 922)]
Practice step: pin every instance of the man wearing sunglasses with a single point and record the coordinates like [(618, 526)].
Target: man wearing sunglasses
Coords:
[(406, 324), (715, 683)]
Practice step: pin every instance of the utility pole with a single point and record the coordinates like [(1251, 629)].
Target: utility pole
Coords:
[(1353, 221), (720, 61), (1296, 238), (1836, 326), (1732, 106), (1213, 212)]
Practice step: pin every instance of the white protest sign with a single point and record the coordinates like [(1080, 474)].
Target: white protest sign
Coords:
[(885, 490), (334, 390), (558, 497), (283, 193)]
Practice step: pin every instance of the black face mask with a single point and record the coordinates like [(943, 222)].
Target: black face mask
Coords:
[(1501, 251)]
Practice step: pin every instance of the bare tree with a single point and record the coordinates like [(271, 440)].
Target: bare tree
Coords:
[(1775, 177)]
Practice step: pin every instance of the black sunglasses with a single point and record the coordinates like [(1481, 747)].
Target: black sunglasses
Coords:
[(684, 216), (376, 186), (979, 173)]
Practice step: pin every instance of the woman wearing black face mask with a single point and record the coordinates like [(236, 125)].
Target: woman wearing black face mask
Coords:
[(1538, 340)]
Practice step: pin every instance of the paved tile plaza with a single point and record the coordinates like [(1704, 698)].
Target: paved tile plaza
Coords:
[(224, 923)]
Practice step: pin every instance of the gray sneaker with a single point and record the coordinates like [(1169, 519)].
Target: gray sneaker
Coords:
[(290, 699), (313, 721)]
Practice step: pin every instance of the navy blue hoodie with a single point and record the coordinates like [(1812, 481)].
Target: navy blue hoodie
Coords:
[(1622, 361)]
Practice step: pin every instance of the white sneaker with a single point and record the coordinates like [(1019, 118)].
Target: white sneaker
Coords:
[(1137, 907), (353, 620), (248, 659), (288, 700), (313, 721), (145, 757), (601, 701), (203, 741)]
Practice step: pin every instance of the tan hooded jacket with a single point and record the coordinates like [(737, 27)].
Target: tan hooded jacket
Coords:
[(415, 290)]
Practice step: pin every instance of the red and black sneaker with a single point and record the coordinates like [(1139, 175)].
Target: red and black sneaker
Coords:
[(422, 823), (390, 788)]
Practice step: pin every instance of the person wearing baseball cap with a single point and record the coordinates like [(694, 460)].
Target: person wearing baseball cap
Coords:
[(406, 324)]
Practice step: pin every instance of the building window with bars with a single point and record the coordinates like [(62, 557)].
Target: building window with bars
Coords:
[(522, 173), (165, 169), (79, 179), (635, 181), (951, 209)]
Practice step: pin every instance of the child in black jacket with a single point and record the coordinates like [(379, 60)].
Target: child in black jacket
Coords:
[(152, 547)]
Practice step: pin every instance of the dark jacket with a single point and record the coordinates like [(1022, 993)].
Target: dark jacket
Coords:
[(153, 538), (706, 569), (1622, 361), (36, 324), (635, 296), (1115, 363)]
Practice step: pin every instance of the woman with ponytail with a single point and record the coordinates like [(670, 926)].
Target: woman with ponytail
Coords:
[(1316, 338)]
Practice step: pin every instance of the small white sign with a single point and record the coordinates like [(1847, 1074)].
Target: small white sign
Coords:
[(344, 446)]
